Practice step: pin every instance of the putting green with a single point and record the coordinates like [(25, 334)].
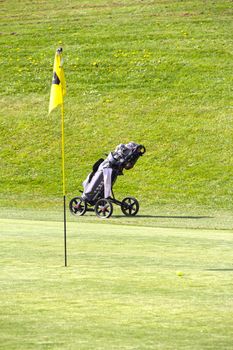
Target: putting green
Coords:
[(120, 289)]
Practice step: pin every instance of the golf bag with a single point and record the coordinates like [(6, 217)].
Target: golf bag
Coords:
[(98, 186)]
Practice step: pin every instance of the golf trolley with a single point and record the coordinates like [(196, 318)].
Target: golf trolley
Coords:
[(98, 193)]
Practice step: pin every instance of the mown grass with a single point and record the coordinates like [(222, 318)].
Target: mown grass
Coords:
[(156, 72), (120, 291)]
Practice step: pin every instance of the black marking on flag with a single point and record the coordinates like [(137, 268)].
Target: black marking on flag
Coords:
[(56, 80)]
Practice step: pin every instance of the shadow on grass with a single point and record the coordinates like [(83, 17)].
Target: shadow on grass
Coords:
[(220, 270), (165, 217)]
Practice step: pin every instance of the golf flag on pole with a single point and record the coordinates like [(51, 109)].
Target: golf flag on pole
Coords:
[(58, 88), (58, 91)]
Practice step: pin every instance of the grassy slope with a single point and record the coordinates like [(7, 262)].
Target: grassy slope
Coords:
[(120, 291), (157, 72)]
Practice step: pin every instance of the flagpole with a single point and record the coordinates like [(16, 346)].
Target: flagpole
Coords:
[(58, 90), (63, 178)]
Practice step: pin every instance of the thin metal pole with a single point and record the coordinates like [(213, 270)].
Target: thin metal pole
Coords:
[(65, 250), (63, 178)]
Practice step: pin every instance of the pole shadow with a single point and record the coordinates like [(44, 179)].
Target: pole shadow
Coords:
[(220, 270)]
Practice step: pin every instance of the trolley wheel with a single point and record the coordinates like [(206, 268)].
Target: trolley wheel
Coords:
[(78, 206), (130, 206), (103, 208)]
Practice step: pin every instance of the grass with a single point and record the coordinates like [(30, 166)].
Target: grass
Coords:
[(120, 291), (156, 72), (158, 217)]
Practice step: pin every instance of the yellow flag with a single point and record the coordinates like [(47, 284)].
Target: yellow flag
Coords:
[(58, 88)]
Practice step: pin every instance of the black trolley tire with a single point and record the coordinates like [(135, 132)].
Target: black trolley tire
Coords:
[(130, 206), (78, 206), (103, 208)]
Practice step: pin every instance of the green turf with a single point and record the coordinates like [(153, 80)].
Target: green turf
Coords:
[(156, 72), (120, 291), (156, 217)]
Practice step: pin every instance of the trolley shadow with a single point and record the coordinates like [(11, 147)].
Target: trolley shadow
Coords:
[(188, 217)]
